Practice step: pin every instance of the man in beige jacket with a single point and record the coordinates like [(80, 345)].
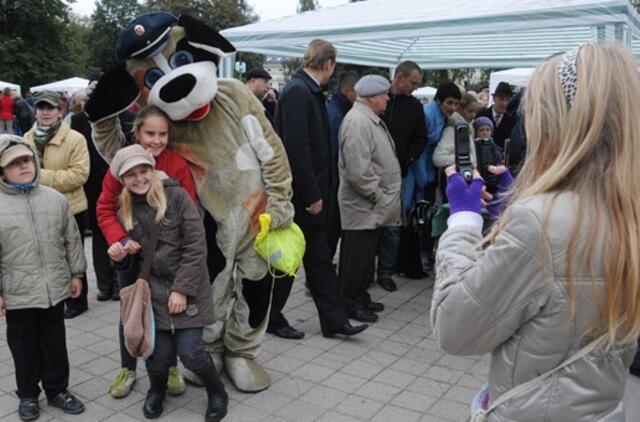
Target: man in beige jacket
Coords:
[(369, 194)]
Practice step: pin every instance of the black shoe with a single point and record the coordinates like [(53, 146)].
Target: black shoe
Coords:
[(347, 330), (67, 403), (417, 275), (374, 306), (116, 295), (218, 400), (73, 311), (363, 315), (287, 332), (104, 296), (152, 407), (388, 284), (29, 409)]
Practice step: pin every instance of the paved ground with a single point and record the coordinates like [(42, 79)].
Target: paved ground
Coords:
[(391, 372)]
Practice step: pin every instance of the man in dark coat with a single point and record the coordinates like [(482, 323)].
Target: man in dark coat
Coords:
[(503, 119), (302, 123), (24, 114), (404, 118)]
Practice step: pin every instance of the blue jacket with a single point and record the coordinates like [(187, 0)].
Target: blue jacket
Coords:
[(337, 108), (422, 171)]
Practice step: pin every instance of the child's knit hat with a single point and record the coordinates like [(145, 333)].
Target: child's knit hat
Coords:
[(129, 157), (482, 121)]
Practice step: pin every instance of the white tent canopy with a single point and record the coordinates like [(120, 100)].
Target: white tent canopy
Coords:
[(518, 76), (69, 86), (427, 92), (451, 34), (14, 87)]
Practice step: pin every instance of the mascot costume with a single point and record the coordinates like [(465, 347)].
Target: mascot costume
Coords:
[(238, 162)]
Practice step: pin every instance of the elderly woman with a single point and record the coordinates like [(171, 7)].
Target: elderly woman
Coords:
[(64, 158)]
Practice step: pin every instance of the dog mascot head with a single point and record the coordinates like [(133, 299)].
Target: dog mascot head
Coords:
[(168, 62)]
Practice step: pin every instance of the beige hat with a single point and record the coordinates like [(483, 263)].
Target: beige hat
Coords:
[(13, 152), (129, 157)]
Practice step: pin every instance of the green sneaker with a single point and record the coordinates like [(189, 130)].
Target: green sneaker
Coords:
[(175, 383), (122, 384)]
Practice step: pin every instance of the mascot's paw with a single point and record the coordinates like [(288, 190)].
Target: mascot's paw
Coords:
[(191, 378), (246, 374)]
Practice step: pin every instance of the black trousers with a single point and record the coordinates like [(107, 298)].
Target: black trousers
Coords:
[(321, 280), (105, 274), (36, 338), (357, 260), (82, 220)]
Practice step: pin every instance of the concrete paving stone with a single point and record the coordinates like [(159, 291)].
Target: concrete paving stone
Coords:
[(84, 340), (360, 407), (379, 358), (424, 319), (378, 391), (291, 387), (395, 378), (414, 401), (344, 382), (92, 388), (451, 411), (278, 345), (393, 347), (93, 412), (429, 356), (417, 330), (327, 398), (283, 364), (362, 369), (350, 348), (332, 360), (303, 353), (312, 372), (80, 356), (8, 383), (104, 347), (6, 368), (461, 395), (299, 411), (440, 373), (457, 362), (320, 342), (473, 381), (109, 331), (390, 324), (366, 340), (78, 376), (376, 331), (396, 414), (243, 413), (429, 387), (100, 366), (409, 339), (183, 415), (402, 315), (8, 404), (410, 366), (132, 399), (337, 417), (268, 401)]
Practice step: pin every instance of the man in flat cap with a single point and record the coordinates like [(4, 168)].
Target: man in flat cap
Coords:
[(503, 120), (369, 193), (258, 82)]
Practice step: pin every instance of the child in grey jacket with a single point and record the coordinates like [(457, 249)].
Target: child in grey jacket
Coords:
[(42, 260)]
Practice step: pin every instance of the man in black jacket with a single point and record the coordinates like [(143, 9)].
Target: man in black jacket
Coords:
[(503, 119), (302, 123), (404, 118)]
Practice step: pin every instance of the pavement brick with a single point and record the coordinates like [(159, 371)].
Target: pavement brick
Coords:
[(344, 382), (360, 407), (324, 397), (396, 414)]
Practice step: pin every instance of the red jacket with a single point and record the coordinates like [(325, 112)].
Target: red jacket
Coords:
[(6, 107), (108, 201)]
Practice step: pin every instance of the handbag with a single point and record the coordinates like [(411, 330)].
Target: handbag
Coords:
[(136, 311), (483, 415)]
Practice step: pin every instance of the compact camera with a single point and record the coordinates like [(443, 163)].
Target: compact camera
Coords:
[(485, 157), (463, 152)]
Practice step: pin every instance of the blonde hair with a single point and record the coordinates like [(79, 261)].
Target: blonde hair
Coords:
[(146, 112), (317, 54), (591, 148), (155, 197)]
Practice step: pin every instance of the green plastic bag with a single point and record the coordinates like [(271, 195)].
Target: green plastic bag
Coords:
[(282, 248)]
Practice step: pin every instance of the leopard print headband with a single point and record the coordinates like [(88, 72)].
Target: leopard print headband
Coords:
[(568, 74)]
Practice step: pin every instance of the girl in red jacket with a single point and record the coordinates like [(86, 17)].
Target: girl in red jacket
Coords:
[(151, 129)]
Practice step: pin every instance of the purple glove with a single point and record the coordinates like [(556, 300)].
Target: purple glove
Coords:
[(495, 208), (464, 197)]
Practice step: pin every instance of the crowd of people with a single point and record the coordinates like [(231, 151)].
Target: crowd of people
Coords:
[(362, 163)]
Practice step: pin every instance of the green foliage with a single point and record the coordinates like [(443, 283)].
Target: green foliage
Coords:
[(108, 20), (219, 14), (306, 5), (33, 41)]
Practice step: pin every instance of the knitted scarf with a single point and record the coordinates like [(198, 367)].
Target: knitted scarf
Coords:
[(22, 188), (42, 135)]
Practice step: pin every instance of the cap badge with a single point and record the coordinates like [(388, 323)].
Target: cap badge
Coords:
[(139, 30)]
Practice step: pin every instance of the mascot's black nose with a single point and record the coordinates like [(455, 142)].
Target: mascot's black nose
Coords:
[(178, 88)]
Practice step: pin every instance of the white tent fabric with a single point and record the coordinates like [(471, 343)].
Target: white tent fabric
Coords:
[(70, 85), (518, 76), (451, 34), (427, 92), (14, 87)]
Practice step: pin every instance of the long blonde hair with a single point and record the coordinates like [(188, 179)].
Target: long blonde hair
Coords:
[(591, 148), (155, 197)]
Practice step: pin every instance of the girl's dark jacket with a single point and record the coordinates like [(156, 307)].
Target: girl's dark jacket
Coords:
[(179, 262)]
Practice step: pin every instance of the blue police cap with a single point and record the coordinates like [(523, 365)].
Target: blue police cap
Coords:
[(144, 35)]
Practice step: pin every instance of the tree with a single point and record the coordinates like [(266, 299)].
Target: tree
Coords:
[(107, 22), (219, 14), (306, 5), (33, 41)]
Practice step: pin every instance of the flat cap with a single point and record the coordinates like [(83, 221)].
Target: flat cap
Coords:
[(257, 72), (13, 152), (129, 157), (503, 90), (144, 35), (50, 97), (370, 85)]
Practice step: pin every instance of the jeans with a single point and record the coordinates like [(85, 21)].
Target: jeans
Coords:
[(187, 343), (388, 252)]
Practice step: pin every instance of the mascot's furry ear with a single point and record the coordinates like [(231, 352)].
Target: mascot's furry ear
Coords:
[(115, 92), (205, 38)]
